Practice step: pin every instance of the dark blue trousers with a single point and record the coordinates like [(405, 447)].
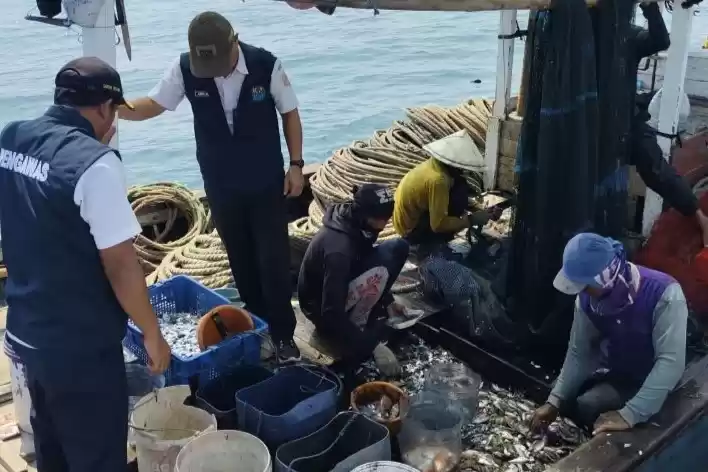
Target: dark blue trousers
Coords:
[(80, 409)]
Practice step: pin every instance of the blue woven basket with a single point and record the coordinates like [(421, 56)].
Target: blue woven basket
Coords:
[(182, 294)]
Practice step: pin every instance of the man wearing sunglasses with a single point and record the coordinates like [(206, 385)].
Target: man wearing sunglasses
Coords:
[(236, 92)]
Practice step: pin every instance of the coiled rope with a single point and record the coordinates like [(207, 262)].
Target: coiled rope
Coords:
[(179, 201), (387, 157), (204, 258)]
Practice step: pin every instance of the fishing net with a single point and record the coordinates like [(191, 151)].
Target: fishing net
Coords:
[(572, 153), (474, 305)]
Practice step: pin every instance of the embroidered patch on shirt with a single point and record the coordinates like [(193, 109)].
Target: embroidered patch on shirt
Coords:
[(258, 93)]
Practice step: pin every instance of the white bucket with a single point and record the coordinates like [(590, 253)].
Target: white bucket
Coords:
[(385, 466), (161, 425), (222, 451)]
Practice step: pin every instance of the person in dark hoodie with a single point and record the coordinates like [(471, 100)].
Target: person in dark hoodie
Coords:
[(646, 155), (345, 278)]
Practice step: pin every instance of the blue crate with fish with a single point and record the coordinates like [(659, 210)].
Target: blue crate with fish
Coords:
[(179, 303)]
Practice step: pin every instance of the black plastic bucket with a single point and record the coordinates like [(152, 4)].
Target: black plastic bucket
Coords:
[(218, 396), (349, 440)]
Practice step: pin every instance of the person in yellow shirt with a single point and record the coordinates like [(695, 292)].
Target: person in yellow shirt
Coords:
[(431, 202)]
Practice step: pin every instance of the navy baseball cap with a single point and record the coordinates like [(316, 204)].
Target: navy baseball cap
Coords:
[(585, 257), (89, 81), (374, 200)]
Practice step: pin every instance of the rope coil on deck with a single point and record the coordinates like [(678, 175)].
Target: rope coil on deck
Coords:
[(387, 157), (180, 201), (204, 259)]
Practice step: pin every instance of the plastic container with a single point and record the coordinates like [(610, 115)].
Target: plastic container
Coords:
[(371, 393), (431, 437), (457, 382), (295, 402), (161, 425), (181, 294), (385, 466), (218, 397), (222, 451), (220, 323), (349, 440), (232, 295), (141, 382), (21, 401)]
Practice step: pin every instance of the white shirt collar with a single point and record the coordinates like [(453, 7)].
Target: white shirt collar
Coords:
[(241, 64)]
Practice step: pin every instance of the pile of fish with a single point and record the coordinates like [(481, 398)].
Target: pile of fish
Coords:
[(384, 409), (498, 438), (180, 332)]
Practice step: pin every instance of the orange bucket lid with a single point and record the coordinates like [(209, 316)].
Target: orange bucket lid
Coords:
[(221, 322)]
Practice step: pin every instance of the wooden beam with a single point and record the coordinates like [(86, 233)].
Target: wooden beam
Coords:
[(437, 5), (505, 64)]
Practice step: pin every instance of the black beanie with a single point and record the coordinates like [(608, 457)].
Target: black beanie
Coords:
[(373, 201)]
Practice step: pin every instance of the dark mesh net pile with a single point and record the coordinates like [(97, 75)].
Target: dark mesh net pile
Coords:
[(572, 152)]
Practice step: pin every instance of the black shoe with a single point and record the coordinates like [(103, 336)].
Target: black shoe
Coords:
[(287, 351)]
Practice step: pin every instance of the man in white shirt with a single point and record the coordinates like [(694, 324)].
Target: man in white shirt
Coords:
[(236, 92), (67, 232)]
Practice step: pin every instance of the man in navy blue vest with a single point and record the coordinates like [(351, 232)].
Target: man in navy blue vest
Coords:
[(236, 92), (73, 275), (638, 317)]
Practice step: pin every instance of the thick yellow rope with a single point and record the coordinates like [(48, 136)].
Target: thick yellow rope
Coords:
[(204, 258), (385, 158), (179, 201)]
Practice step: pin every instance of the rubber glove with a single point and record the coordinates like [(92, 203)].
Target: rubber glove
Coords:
[(479, 218), (386, 361)]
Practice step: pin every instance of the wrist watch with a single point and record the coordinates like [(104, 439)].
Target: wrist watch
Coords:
[(297, 163)]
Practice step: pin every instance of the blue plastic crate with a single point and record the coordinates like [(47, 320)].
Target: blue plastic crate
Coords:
[(182, 294)]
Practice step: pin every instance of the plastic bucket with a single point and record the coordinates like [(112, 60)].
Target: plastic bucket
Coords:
[(141, 382), (349, 440), (372, 393), (432, 433), (385, 466), (22, 402), (222, 451), (457, 382), (161, 425), (218, 396), (295, 402)]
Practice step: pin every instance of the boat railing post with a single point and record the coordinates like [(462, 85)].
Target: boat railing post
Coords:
[(100, 41), (505, 66), (670, 103)]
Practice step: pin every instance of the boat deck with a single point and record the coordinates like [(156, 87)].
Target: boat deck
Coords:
[(312, 347)]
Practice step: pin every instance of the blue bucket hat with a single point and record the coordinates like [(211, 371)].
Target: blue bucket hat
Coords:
[(585, 257)]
